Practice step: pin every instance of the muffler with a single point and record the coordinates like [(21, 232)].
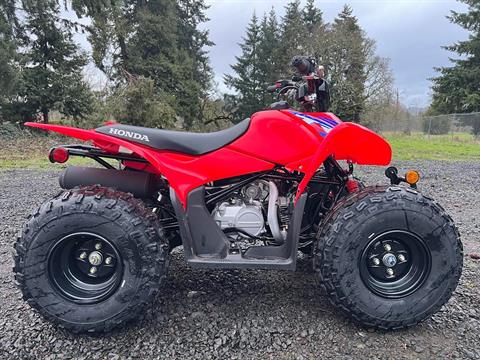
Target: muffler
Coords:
[(140, 184)]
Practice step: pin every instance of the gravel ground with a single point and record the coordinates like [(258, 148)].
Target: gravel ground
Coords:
[(248, 314)]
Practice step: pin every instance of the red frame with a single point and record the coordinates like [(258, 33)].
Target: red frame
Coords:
[(275, 137)]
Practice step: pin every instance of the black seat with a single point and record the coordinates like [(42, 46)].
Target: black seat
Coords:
[(178, 141)]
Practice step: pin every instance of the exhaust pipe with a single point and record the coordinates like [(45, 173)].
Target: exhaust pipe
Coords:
[(140, 184), (272, 214)]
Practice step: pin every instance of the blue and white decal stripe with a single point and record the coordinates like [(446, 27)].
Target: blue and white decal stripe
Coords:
[(325, 123)]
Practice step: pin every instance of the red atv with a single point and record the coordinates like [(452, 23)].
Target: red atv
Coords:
[(248, 197)]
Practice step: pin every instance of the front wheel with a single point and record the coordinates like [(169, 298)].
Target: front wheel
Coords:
[(90, 259), (388, 257)]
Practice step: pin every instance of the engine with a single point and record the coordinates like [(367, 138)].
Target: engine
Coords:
[(242, 216), (249, 210), (244, 210)]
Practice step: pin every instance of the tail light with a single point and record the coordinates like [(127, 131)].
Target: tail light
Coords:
[(58, 155)]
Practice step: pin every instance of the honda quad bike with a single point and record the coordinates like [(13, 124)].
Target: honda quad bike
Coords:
[(248, 197)]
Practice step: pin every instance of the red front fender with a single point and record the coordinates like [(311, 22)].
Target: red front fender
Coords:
[(356, 143), (352, 142)]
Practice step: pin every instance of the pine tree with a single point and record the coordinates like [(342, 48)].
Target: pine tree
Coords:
[(347, 53), (194, 40), (360, 80), (312, 16), (268, 53), (8, 55), (292, 37), (248, 78), (51, 77), (315, 30), (158, 40), (151, 49), (456, 89)]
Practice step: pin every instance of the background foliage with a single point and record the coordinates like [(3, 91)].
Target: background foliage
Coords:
[(457, 89), (361, 81), (155, 57)]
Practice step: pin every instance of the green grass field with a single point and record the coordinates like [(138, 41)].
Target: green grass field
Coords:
[(459, 146), (31, 151)]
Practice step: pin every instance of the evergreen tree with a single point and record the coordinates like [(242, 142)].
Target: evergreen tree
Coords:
[(157, 52), (8, 55), (360, 80), (198, 74), (315, 30), (158, 40), (312, 16), (268, 64), (456, 89), (292, 36), (248, 79), (51, 77), (194, 40), (151, 49), (348, 60)]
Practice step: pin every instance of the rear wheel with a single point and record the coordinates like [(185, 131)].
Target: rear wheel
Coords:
[(90, 259), (388, 257)]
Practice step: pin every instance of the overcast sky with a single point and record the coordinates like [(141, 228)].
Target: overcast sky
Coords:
[(408, 32)]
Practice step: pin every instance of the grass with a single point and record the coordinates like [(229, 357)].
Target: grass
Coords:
[(41, 162), (30, 150), (451, 147)]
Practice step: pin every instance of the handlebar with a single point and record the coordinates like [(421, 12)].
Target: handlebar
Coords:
[(272, 88), (280, 85), (307, 97), (297, 78)]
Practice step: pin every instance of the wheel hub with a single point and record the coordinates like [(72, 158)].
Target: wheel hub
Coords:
[(95, 258), (85, 267), (389, 260), (394, 264)]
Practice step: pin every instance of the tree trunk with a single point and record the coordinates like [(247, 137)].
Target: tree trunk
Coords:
[(45, 115)]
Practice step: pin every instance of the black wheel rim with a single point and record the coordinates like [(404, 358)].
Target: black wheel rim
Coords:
[(85, 268), (395, 264)]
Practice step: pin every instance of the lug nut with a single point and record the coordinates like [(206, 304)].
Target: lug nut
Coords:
[(390, 272), (83, 255), (387, 247), (108, 260), (401, 258), (98, 246), (376, 261), (93, 270)]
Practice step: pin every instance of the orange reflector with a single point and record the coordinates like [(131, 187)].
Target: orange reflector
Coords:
[(412, 177)]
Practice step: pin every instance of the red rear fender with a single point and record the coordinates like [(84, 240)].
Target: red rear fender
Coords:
[(105, 142)]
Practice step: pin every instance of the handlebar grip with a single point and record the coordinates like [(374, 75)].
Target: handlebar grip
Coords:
[(272, 88)]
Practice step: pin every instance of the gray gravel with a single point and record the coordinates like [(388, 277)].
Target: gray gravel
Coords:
[(248, 314)]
